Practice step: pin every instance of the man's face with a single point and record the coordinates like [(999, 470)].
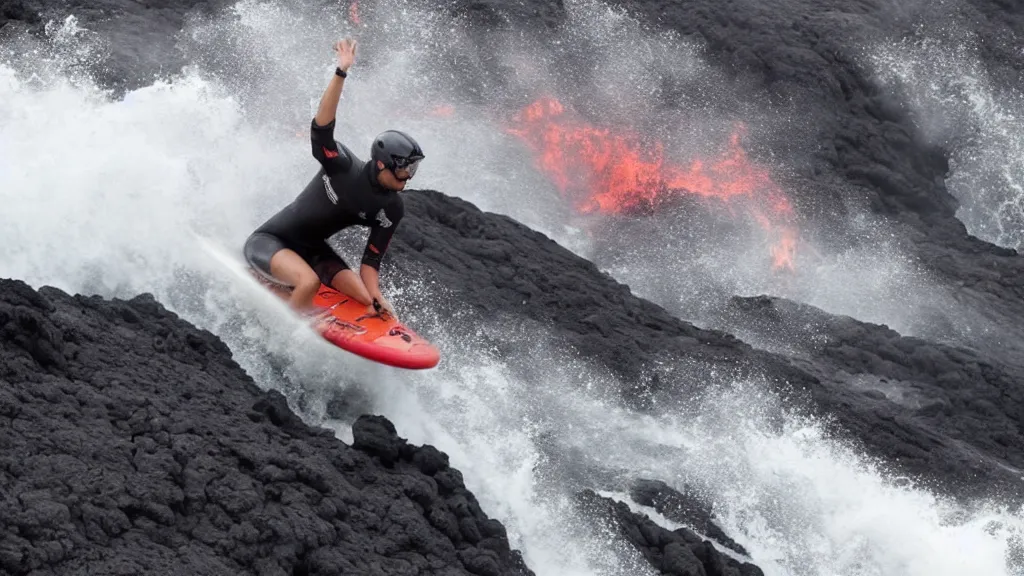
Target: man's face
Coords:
[(389, 179)]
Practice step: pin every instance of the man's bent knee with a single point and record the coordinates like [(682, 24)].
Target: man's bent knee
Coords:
[(348, 282), (259, 250), (287, 265)]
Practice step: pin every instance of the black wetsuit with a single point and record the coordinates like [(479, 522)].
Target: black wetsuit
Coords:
[(343, 193)]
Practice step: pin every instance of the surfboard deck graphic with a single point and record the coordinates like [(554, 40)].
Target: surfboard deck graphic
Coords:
[(351, 326)]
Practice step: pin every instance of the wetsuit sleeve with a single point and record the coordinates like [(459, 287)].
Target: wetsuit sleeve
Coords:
[(326, 150), (381, 233)]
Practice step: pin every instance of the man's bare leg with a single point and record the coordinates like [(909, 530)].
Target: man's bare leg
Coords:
[(348, 282), (286, 265)]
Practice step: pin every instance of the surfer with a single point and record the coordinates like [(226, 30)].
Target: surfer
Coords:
[(291, 247)]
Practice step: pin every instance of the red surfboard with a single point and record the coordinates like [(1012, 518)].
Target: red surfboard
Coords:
[(354, 327)]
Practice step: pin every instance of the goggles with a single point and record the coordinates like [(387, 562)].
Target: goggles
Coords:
[(408, 164)]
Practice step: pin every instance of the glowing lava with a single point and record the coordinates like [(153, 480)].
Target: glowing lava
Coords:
[(612, 172)]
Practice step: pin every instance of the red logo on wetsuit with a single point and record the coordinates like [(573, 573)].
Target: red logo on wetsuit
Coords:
[(374, 249), (330, 153)]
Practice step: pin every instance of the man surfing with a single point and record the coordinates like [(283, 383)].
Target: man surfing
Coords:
[(291, 247)]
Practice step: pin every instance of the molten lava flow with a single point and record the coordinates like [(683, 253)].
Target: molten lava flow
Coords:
[(613, 173)]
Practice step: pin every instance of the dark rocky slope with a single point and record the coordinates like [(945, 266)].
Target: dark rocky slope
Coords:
[(971, 444), (675, 552), (133, 444), (966, 396), (850, 143), (856, 144), (137, 38)]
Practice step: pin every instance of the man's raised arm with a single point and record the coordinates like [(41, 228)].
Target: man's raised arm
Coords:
[(346, 50), (325, 149)]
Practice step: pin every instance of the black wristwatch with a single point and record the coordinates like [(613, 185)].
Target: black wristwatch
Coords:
[(340, 72)]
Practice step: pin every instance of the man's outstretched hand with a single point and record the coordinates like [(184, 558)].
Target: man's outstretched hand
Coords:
[(346, 50)]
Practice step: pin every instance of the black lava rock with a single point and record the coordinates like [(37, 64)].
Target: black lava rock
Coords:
[(133, 443)]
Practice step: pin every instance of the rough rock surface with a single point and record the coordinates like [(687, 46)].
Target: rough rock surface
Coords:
[(496, 265), (683, 508), (138, 37), (864, 147), (914, 379), (679, 552), (133, 444), (510, 267)]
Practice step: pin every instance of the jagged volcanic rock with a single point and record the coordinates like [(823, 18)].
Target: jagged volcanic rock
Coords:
[(133, 444), (955, 395), (683, 508), (679, 552), (863, 147), (138, 38), (511, 267)]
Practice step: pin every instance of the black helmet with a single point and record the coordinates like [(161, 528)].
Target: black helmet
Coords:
[(397, 150)]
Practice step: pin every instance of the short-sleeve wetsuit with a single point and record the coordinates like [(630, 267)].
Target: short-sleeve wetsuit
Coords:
[(343, 193)]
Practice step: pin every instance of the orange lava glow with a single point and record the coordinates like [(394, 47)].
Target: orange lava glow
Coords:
[(442, 111), (605, 171)]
